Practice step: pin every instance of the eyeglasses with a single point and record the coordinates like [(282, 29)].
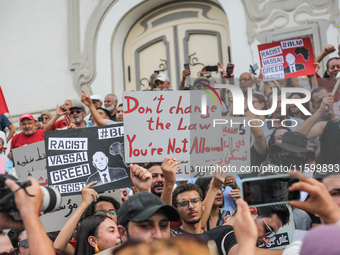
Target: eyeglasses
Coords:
[(75, 111), (24, 243), (195, 202), (270, 233), (111, 212), (13, 252)]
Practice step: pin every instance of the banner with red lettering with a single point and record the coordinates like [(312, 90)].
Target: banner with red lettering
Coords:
[(3, 105), (287, 58)]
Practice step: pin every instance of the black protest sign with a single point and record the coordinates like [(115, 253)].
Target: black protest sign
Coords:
[(77, 157)]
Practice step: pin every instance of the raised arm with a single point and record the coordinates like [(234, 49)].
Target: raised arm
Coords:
[(169, 167), (100, 121), (185, 74), (327, 50), (29, 208), (12, 131), (308, 128), (61, 243), (59, 112), (141, 178)]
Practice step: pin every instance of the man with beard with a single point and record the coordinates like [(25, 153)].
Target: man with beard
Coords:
[(157, 183), (110, 104), (277, 118), (188, 199), (78, 113), (29, 133)]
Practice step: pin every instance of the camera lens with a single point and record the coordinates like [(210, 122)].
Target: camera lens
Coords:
[(52, 199)]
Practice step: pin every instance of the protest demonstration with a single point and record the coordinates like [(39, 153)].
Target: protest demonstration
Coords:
[(208, 127)]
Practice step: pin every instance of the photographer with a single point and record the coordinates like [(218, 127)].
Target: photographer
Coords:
[(29, 203)]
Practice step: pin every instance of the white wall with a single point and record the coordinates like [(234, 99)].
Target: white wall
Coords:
[(34, 73)]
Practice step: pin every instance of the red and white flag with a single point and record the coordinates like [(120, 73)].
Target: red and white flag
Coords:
[(3, 105)]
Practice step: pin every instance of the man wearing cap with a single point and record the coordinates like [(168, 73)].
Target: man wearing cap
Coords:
[(162, 82), (78, 113), (145, 217), (29, 132)]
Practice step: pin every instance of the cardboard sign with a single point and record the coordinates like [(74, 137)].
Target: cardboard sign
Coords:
[(161, 124), (77, 157), (30, 161), (55, 221), (286, 59)]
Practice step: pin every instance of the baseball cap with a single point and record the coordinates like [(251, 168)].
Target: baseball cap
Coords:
[(26, 116), (142, 206), (160, 77), (96, 97), (77, 105)]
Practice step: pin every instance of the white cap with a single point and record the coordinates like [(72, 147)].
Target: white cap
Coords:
[(96, 97), (160, 77)]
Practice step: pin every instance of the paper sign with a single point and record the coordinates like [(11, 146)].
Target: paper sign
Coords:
[(77, 157), (30, 161), (287, 58)]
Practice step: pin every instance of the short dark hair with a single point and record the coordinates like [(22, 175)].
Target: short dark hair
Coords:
[(151, 164), (329, 60), (183, 188), (316, 90), (203, 183), (120, 105), (90, 210), (280, 210), (107, 113)]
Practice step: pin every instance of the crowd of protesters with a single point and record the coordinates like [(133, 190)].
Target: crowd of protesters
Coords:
[(156, 213)]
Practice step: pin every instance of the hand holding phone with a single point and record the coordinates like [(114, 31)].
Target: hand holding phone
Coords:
[(269, 190), (229, 70), (211, 68)]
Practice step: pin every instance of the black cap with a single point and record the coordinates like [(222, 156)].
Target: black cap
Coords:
[(142, 206), (294, 142)]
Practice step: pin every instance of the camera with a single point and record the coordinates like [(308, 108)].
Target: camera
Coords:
[(51, 202)]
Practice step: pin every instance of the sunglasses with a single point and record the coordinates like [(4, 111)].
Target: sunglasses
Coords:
[(24, 243), (104, 212), (13, 252), (270, 233), (75, 111), (195, 202)]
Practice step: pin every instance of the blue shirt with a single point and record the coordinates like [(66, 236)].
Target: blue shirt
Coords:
[(4, 122), (9, 163)]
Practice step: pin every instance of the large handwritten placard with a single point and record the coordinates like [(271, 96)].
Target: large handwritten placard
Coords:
[(171, 123), (77, 157), (30, 161), (286, 59), (55, 221)]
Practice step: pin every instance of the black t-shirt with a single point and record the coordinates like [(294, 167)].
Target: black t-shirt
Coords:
[(202, 237), (113, 117), (224, 238)]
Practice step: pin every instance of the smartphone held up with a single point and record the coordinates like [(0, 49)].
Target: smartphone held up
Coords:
[(269, 190)]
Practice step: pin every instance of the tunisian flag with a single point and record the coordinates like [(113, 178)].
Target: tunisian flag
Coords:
[(3, 105)]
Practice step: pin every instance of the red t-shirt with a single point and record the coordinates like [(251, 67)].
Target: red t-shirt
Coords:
[(59, 124), (22, 139)]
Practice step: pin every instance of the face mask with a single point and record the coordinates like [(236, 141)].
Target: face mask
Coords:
[(292, 162)]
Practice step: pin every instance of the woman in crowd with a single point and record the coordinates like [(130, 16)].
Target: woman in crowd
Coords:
[(276, 136), (91, 205), (259, 103), (95, 234), (292, 109)]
